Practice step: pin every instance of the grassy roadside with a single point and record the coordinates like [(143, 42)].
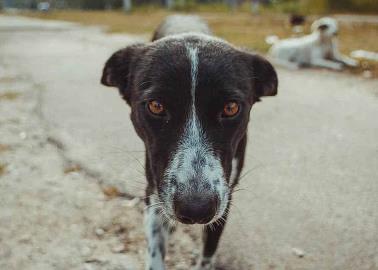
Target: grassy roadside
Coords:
[(239, 27)]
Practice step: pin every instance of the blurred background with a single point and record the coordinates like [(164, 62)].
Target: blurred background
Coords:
[(321, 6), (71, 166), (245, 23)]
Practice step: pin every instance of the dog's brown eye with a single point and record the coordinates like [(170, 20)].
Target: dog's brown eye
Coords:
[(230, 109), (156, 107)]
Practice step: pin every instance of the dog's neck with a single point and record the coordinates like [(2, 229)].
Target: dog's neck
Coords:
[(321, 38)]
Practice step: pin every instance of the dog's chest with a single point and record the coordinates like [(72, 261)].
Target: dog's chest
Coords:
[(322, 51)]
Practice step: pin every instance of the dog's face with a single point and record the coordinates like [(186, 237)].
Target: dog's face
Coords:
[(326, 26), (190, 97)]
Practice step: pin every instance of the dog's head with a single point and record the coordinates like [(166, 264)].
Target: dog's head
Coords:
[(190, 98), (326, 26)]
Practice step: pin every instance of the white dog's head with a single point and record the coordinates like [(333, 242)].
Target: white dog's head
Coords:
[(326, 26)]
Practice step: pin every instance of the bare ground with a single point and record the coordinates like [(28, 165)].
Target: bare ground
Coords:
[(53, 213), (70, 161)]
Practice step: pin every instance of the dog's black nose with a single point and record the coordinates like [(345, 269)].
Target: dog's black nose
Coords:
[(201, 209)]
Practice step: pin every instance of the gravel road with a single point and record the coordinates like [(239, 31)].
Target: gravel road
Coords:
[(70, 161)]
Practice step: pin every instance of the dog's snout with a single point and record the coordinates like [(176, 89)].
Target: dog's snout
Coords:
[(191, 209)]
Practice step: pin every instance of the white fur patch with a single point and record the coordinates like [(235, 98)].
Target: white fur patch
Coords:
[(205, 263), (193, 56), (157, 237), (234, 171), (194, 163)]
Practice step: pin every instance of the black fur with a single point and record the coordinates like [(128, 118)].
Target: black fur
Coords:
[(161, 70)]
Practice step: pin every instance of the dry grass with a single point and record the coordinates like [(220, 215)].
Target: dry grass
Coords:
[(239, 27), (72, 169), (111, 192), (2, 169), (116, 21), (9, 95), (4, 148)]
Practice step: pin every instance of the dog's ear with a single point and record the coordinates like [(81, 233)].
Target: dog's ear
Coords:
[(263, 75), (323, 27), (319, 25), (118, 69)]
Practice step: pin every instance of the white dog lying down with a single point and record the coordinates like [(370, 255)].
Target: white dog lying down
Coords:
[(317, 49)]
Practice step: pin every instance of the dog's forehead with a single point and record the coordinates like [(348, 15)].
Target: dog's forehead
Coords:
[(179, 48), (171, 62)]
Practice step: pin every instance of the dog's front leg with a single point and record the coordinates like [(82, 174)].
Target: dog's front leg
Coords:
[(345, 60), (337, 56), (286, 64), (211, 236), (157, 232), (327, 64)]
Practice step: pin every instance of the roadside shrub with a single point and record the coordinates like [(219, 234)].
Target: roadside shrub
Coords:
[(94, 4), (325, 6), (370, 6)]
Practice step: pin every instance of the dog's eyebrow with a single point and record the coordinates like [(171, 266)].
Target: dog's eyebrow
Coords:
[(147, 94), (234, 93), (229, 93)]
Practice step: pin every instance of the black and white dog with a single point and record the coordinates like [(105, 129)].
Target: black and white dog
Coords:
[(190, 96)]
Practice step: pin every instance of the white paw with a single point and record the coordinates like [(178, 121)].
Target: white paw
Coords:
[(155, 265), (337, 66), (206, 267), (352, 63), (205, 264)]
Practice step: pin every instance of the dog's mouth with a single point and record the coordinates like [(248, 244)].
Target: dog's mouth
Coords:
[(206, 221), (202, 208)]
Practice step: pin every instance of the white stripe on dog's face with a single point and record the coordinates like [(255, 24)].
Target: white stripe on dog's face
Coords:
[(234, 171), (194, 166), (193, 57)]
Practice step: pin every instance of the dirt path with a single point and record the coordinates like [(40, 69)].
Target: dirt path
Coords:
[(312, 161), (50, 211), (55, 214)]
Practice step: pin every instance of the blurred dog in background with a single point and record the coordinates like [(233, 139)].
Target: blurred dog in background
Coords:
[(318, 49), (296, 22)]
